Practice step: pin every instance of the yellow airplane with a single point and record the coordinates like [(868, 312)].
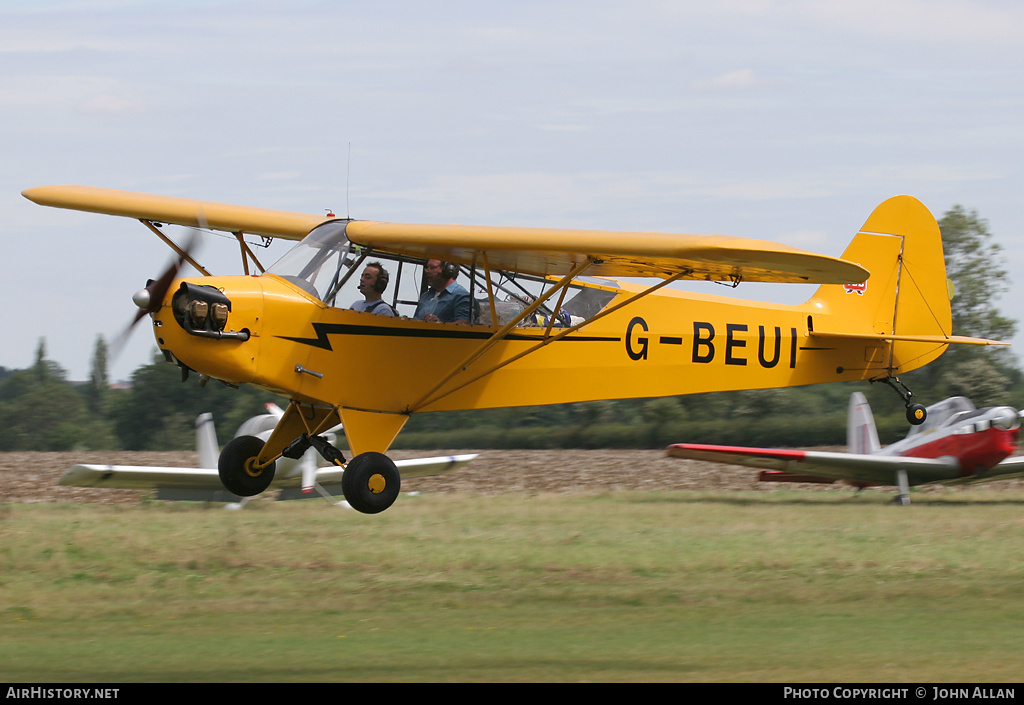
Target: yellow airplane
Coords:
[(549, 319)]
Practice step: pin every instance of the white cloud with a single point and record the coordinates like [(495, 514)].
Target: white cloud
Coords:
[(112, 104), (741, 79), (916, 20)]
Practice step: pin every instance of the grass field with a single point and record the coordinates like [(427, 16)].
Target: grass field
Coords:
[(628, 586)]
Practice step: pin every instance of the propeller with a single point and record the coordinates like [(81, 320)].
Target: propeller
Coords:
[(151, 297)]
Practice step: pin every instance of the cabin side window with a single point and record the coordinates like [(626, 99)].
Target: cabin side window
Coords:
[(328, 266)]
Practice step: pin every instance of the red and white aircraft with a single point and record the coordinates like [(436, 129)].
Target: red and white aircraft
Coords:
[(957, 444)]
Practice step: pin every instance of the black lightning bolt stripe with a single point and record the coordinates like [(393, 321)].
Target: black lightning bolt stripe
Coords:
[(323, 330)]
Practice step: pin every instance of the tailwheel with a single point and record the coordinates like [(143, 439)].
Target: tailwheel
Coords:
[(238, 470), (371, 482), (916, 413)]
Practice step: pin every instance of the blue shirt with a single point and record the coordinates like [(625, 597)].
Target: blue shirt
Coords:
[(449, 304), (380, 307)]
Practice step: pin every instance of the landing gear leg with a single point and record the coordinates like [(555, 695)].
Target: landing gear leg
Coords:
[(325, 449), (903, 497), (916, 413)]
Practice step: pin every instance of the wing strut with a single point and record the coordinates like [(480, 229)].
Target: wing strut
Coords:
[(490, 287), (170, 243), (432, 396), (502, 332), (246, 251)]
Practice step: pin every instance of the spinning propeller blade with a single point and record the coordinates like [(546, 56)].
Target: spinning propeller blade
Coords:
[(150, 298)]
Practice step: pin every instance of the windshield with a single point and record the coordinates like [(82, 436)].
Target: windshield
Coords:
[(321, 263)]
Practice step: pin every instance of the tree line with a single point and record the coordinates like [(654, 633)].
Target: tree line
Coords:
[(41, 410)]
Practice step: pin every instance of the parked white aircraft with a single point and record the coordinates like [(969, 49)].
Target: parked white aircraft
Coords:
[(957, 444), (296, 478)]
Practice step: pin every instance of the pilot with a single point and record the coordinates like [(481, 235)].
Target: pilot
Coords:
[(372, 283), (445, 300)]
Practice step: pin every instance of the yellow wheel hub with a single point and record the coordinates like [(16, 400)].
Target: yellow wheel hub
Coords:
[(376, 483), (252, 469)]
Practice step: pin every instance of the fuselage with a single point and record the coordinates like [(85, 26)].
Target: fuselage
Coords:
[(666, 343), (978, 440)]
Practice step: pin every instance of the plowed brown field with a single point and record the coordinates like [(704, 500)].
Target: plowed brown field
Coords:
[(32, 477)]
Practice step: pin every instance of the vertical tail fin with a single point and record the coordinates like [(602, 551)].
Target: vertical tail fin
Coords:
[(861, 434), (308, 464), (206, 441), (907, 293)]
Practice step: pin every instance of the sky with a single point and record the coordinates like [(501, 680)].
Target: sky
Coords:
[(781, 120)]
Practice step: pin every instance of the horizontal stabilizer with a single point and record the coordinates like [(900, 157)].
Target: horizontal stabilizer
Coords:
[(939, 339)]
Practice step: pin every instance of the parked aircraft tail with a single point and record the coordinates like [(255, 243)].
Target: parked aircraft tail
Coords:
[(206, 441), (861, 434)]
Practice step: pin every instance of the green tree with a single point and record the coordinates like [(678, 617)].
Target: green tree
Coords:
[(42, 365), (979, 380), (662, 411), (159, 410), (976, 265), (98, 388), (41, 411)]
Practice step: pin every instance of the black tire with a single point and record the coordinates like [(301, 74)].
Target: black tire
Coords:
[(371, 482), (236, 467), (916, 414)]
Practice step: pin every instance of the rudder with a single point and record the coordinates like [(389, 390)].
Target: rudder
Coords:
[(861, 434), (907, 293)]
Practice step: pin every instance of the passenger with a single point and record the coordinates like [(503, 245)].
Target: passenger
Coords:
[(444, 301), (372, 283)]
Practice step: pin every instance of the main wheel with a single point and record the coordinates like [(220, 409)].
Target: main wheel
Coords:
[(916, 414), (371, 482), (237, 467)]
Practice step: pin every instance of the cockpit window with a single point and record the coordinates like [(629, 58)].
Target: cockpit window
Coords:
[(326, 265)]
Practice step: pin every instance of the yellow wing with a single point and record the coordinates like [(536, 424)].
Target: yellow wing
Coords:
[(547, 251), (179, 211), (538, 251)]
